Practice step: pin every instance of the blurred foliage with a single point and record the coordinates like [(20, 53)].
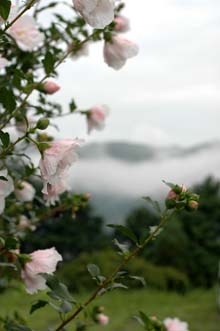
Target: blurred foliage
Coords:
[(73, 273), (70, 233), (191, 242)]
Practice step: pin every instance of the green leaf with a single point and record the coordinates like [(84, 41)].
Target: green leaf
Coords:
[(49, 62), (3, 178), (11, 243), (93, 270), (123, 248), (5, 139), (59, 290), (5, 6), (154, 204), (65, 307), (72, 106), (117, 285), (39, 304), (170, 185), (125, 231), (7, 99), (8, 265), (140, 279)]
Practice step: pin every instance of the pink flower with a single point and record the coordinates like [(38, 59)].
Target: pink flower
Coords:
[(6, 187), (53, 192), (56, 160), (42, 261), (102, 319), (25, 192), (118, 51), (97, 13), (122, 24), (3, 62), (174, 324), (96, 117), (26, 33), (51, 87), (24, 223)]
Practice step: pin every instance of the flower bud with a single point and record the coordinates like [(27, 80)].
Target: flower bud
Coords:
[(192, 205), (43, 123), (51, 87), (170, 203), (172, 195), (122, 24), (87, 196), (102, 319)]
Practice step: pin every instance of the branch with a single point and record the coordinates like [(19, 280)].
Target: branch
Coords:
[(63, 58), (28, 6), (111, 278)]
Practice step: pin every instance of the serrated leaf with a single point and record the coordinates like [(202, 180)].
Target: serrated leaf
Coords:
[(49, 62), (39, 304), (93, 269), (5, 6), (125, 231), (5, 139), (59, 290), (7, 99)]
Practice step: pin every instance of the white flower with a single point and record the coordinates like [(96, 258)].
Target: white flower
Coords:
[(25, 191), (6, 187), (42, 261), (97, 13), (118, 50), (3, 62), (53, 192), (26, 33), (174, 324), (56, 160)]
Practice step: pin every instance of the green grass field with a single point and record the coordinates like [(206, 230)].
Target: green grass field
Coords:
[(198, 308)]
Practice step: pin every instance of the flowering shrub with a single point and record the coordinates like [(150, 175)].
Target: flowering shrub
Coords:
[(29, 56)]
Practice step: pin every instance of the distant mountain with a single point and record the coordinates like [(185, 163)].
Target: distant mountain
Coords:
[(133, 152), (118, 174)]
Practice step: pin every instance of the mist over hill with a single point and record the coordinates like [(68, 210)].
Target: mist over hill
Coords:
[(118, 174)]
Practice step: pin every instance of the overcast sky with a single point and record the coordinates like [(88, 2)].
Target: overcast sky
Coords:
[(169, 93)]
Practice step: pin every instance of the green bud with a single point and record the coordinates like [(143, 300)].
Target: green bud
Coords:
[(43, 123), (177, 189), (170, 203), (194, 197), (43, 146)]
